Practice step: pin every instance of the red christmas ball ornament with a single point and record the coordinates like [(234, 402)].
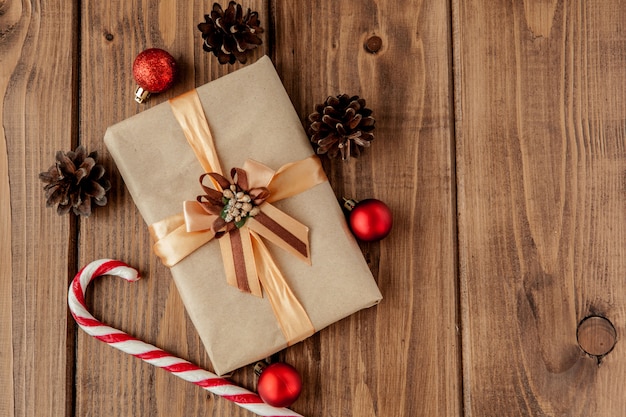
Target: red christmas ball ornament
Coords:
[(279, 384), (154, 71), (370, 220)]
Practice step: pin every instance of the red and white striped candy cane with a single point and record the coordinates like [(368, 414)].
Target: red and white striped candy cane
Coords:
[(149, 353)]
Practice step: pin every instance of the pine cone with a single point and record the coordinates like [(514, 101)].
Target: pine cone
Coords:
[(74, 181), (340, 125), (229, 34)]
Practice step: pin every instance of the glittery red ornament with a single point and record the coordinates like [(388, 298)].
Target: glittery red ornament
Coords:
[(370, 220), (279, 384), (154, 71)]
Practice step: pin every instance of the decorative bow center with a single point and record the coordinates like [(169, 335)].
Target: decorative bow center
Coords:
[(234, 202)]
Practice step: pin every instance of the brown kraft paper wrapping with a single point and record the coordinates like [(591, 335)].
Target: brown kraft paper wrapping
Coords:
[(250, 117)]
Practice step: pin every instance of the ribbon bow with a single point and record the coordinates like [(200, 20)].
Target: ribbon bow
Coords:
[(238, 213)]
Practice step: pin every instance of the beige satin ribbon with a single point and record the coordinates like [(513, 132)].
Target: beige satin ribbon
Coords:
[(243, 251), (188, 111)]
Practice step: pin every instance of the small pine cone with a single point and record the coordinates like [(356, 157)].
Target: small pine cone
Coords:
[(74, 181), (341, 125), (230, 34)]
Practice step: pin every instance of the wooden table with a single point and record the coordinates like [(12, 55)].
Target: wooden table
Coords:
[(500, 147)]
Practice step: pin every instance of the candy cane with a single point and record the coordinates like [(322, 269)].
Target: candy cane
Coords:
[(149, 353)]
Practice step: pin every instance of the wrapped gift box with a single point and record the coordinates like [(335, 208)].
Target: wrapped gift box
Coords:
[(250, 116)]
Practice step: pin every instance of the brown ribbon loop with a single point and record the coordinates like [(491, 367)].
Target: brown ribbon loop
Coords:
[(248, 263)]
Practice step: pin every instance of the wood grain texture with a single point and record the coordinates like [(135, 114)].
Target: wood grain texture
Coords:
[(111, 383), (37, 87), (540, 151), (9, 21), (500, 125), (402, 357)]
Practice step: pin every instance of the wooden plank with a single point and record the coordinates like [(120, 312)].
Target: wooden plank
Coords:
[(111, 383), (10, 56), (36, 86), (400, 358), (541, 156)]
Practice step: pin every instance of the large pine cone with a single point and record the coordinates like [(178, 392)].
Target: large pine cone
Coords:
[(74, 181), (230, 34), (341, 125)]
